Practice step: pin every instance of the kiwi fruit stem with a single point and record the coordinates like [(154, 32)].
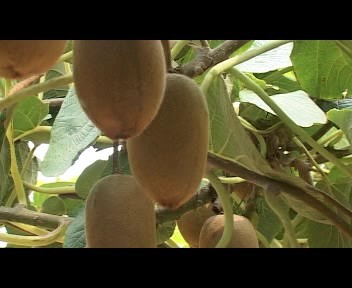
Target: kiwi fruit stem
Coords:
[(167, 52), (226, 202), (276, 203), (115, 158)]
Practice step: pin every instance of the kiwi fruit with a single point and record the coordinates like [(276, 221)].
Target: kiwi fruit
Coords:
[(191, 223), (21, 59), (120, 83), (243, 236), (168, 159), (119, 215)]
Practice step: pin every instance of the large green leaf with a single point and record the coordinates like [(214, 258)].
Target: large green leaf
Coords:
[(272, 60), (56, 71), (322, 68), (91, 175), (75, 236), (292, 104), (54, 205), (343, 119), (98, 170), (29, 113), (326, 236), (268, 223), (228, 137), (72, 132)]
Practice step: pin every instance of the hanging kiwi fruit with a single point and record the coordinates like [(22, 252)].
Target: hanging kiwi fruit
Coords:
[(119, 215), (243, 236), (168, 159), (191, 223), (120, 83), (21, 59)]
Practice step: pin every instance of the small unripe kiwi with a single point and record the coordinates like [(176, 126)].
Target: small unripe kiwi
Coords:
[(168, 159), (24, 58), (243, 236), (120, 83), (119, 215), (191, 223)]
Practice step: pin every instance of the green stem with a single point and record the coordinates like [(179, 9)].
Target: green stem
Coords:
[(315, 164), (275, 244), (226, 202), (35, 89), (231, 180), (277, 74), (47, 129), (65, 57), (57, 190), (178, 48), (172, 243), (18, 186), (292, 125), (35, 241), (276, 204), (227, 64), (262, 239), (331, 137), (34, 230)]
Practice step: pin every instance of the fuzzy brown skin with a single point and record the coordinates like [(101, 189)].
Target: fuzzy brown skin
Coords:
[(119, 215), (243, 236), (21, 59), (120, 83), (168, 159), (191, 224)]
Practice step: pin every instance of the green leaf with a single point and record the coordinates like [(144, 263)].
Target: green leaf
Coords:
[(292, 104), (29, 113), (268, 223), (322, 68), (39, 199), (72, 132), (57, 184), (326, 236), (54, 205), (73, 206), (22, 152), (98, 170), (228, 137), (91, 175), (345, 46), (56, 71), (75, 235), (165, 231), (272, 60), (343, 119)]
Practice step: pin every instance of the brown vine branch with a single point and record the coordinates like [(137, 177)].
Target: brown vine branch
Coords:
[(204, 196), (286, 188), (207, 57), (22, 215)]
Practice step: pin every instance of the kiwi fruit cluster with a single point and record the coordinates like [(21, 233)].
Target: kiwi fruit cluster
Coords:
[(21, 59), (125, 89)]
